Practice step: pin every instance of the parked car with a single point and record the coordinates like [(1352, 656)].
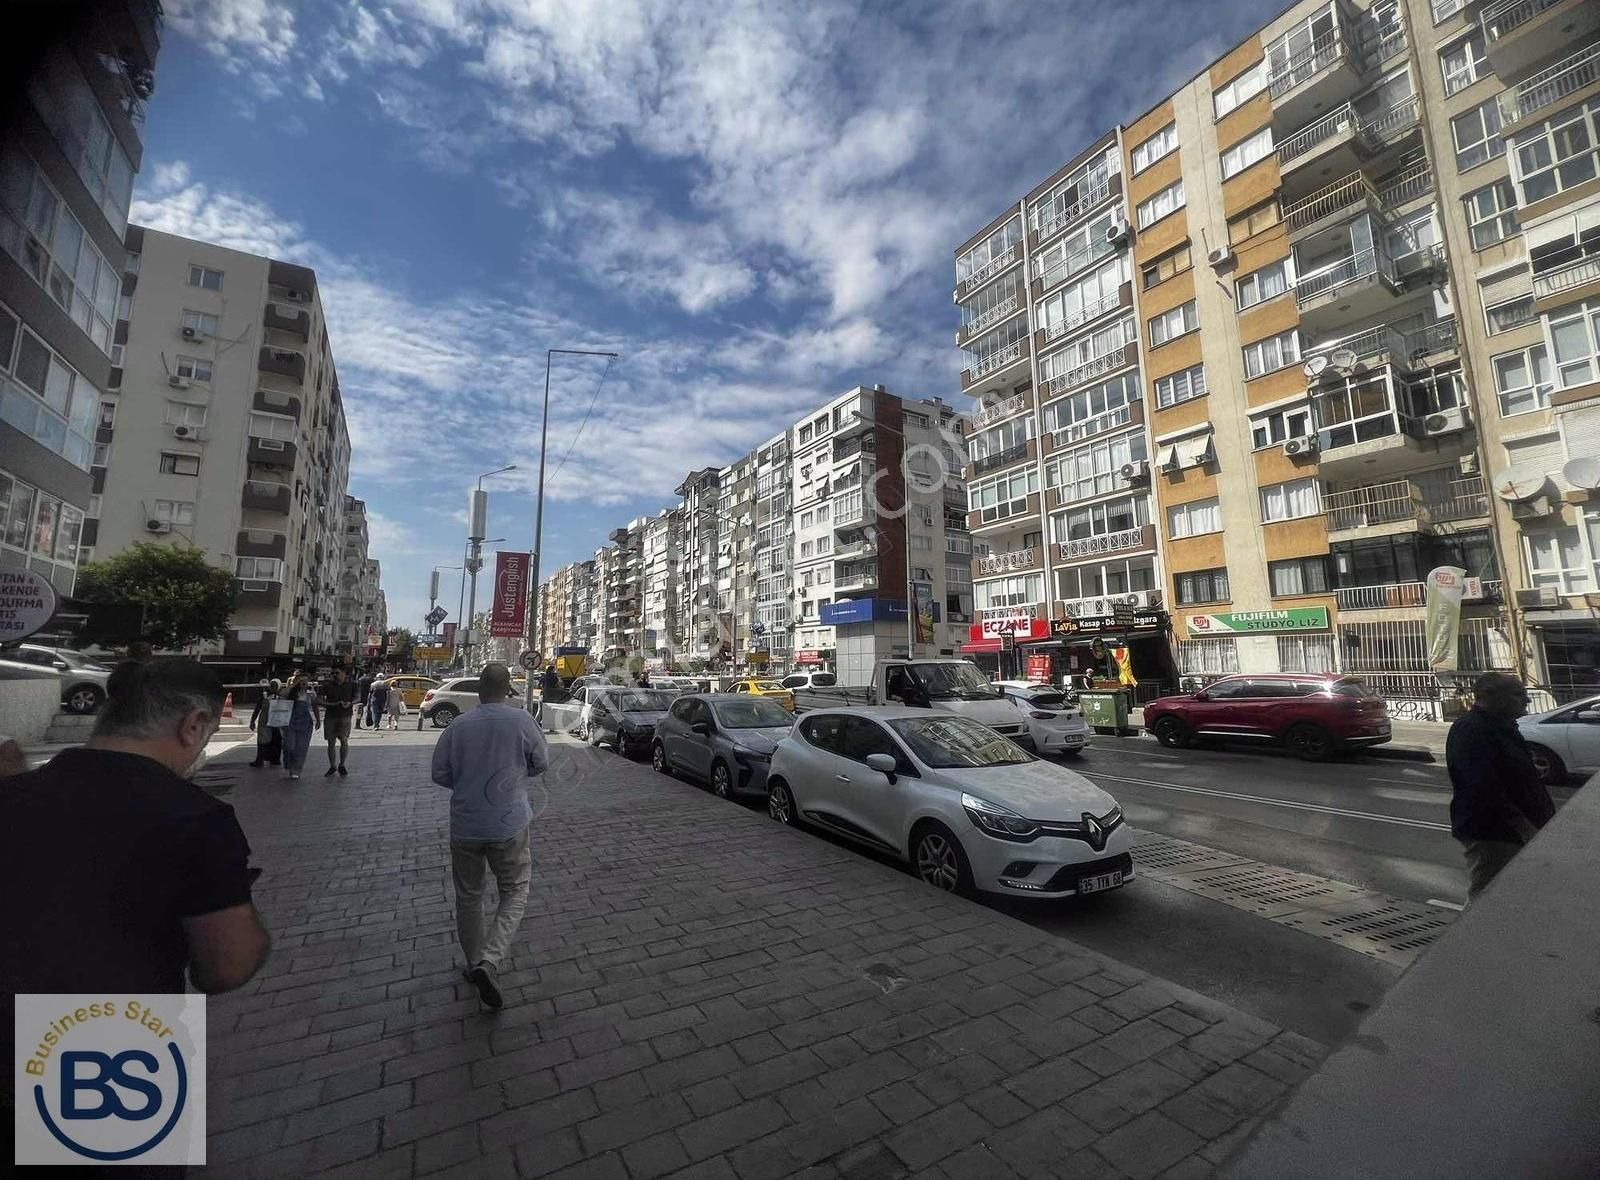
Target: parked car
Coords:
[(723, 739), (625, 717), (451, 698), (1564, 741), (1316, 715), (949, 685), (83, 680), (1055, 726), (413, 688), (765, 688), (674, 684), (967, 808), (809, 680)]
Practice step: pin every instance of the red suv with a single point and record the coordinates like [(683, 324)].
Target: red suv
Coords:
[(1315, 714)]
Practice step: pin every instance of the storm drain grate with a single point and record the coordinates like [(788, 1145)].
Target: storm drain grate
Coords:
[(1164, 853)]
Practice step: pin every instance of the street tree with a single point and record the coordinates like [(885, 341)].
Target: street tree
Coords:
[(185, 599), (401, 644)]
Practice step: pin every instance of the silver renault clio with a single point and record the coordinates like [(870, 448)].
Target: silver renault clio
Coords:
[(966, 807)]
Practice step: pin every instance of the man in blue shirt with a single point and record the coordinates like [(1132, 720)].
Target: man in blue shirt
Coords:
[(484, 760)]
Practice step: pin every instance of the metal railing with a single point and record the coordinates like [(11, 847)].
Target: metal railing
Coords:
[(1574, 274), (1382, 503), (1499, 19), (1001, 459), (1381, 597), (1081, 547), (995, 360), (1094, 424), (990, 269), (1408, 184), (1468, 499), (1007, 563), (1065, 217), (993, 316), (1083, 315), (1089, 370), (1337, 122), (1550, 86), (1437, 337), (1389, 654), (1393, 122), (1342, 194), (856, 579), (1364, 265), (1444, 9), (1309, 62), (1381, 341)]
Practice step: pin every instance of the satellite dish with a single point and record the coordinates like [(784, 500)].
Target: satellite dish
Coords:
[(1343, 359), (1520, 483), (1315, 365), (1582, 473)]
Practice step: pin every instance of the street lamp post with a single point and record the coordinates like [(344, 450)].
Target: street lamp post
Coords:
[(538, 512), (477, 525)]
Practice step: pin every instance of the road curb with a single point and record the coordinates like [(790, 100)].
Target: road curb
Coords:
[(1401, 753)]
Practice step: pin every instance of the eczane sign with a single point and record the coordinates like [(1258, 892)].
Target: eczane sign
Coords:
[(27, 601)]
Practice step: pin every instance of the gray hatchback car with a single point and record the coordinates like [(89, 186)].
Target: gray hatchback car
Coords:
[(722, 739)]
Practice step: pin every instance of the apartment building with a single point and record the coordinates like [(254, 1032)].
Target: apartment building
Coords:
[(362, 616), (662, 540), (703, 527), (1299, 329), (227, 431), (619, 582), (69, 149)]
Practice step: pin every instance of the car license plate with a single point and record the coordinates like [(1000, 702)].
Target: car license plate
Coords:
[(1103, 881)]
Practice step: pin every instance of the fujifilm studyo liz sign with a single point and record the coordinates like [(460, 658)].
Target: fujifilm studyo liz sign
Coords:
[(1300, 618)]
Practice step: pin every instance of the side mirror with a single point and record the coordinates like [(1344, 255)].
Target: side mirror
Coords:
[(884, 764), (59, 665), (1202, 695), (703, 728)]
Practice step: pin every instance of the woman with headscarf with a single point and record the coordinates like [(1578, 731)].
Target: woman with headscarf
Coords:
[(396, 706), (269, 739), (304, 717)]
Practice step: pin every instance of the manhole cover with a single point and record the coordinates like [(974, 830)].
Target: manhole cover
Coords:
[(1163, 853)]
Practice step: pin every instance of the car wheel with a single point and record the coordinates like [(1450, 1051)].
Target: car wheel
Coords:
[(721, 780), (622, 746), (781, 805), (1547, 762), (590, 737), (658, 759), (1310, 743), (938, 858), (444, 715), (1172, 733), (84, 698)]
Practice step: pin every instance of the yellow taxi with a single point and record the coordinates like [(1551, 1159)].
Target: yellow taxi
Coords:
[(765, 688), (412, 688)]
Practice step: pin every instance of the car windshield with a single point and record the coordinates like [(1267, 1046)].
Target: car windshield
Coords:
[(945, 743), (755, 713), (82, 663), (1046, 700), (642, 701), (823, 680), (1355, 688), (956, 680), (769, 686)]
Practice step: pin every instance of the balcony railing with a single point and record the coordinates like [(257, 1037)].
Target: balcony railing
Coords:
[(1380, 597), (996, 360), (1443, 10), (1336, 122), (1309, 62), (1351, 191), (1081, 547), (1408, 184), (1006, 563), (1392, 122), (1082, 316), (1356, 267), (856, 579), (1500, 19), (990, 269), (1550, 86), (1574, 274), (993, 316), (1089, 370), (1065, 217), (1000, 459), (1095, 424), (1439, 337), (1383, 503)]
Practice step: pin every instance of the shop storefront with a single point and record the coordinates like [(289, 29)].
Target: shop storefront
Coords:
[(1294, 639), (997, 644), (1081, 646), (1567, 651)]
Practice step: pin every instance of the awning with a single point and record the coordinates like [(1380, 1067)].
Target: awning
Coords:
[(1194, 451), (982, 647), (1167, 458)]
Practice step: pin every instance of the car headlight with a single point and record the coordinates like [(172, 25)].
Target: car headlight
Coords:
[(996, 820), (1038, 716), (746, 755)]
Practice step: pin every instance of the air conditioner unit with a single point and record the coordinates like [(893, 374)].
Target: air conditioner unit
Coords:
[(1118, 231), (1135, 471), (178, 382), (1540, 597), (191, 333), (1220, 257), (1468, 464), (1445, 421), (1303, 445), (156, 525)]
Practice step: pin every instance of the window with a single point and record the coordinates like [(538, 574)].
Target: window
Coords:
[(1512, 313), (1522, 380), (1102, 578), (805, 434), (989, 251), (1556, 558), (1094, 409), (1302, 575), (175, 464), (1202, 586), (1168, 201), (204, 276), (180, 512), (1214, 656), (192, 368), (1181, 386), (1074, 195), (1021, 590), (824, 545), (270, 569), (274, 426), (9, 324), (1463, 63), (1575, 340), (64, 97), (1089, 356), (1094, 294), (1307, 653), (805, 520), (1194, 519), (185, 414), (1073, 251), (1174, 262), (1169, 325), (1007, 496), (108, 415), (102, 454), (1562, 152), (1269, 282), (824, 575), (823, 511), (1290, 501), (49, 401), (1243, 88), (1271, 354), (1253, 221), (1162, 143), (1492, 214), (1008, 439), (1094, 470), (1099, 520), (1247, 152), (200, 323), (1477, 135), (1274, 429), (96, 505)]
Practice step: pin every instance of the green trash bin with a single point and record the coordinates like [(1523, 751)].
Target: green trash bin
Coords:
[(1105, 711)]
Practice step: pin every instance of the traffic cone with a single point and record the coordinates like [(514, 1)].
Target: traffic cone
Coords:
[(227, 707)]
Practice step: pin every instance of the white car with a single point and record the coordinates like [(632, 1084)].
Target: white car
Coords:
[(1564, 741), (796, 680), (1055, 725), (967, 808), (453, 697), (83, 679)]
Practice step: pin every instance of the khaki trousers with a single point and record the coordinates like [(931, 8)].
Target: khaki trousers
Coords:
[(471, 863)]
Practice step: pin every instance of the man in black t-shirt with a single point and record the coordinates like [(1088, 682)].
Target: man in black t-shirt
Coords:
[(338, 705), (118, 873)]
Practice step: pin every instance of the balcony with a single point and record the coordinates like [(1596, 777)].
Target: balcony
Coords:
[(1399, 595), (857, 547), (983, 274), (1000, 459), (991, 366), (271, 401), (1554, 288), (1518, 34), (257, 593), (1015, 561), (265, 497), (1317, 77), (287, 319), (1386, 345), (1117, 358), (271, 452), (1402, 506), (285, 361), (1356, 287), (987, 319), (1070, 215), (1548, 87), (849, 511), (1340, 142), (1122, 541), (1339, 201), (1086, 314), (863, 577), (246, 643), (1406, 185)]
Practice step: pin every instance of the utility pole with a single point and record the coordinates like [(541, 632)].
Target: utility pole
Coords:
[(477, 527)]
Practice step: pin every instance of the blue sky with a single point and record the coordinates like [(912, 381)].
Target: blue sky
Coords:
[(755, 204)]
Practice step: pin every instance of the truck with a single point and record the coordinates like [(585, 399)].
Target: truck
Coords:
[(950, 685)]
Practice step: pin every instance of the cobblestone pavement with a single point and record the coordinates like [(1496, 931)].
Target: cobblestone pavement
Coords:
[(696, 991)]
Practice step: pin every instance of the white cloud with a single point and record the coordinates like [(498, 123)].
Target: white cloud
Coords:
[(235, 29)]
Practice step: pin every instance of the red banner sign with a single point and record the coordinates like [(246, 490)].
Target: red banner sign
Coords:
[(509, 615), (449, 635)]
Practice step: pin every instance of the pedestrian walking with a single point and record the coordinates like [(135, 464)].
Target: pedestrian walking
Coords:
[(396, 706), (269, 738), (305, 716), (1497, 803), (484, 760), (378, 703), (338, 697), (364, 692), (147, 877)]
